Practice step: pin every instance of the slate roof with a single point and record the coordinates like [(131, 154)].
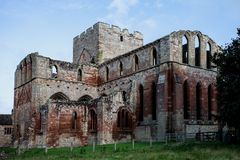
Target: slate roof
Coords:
[(5, 119)]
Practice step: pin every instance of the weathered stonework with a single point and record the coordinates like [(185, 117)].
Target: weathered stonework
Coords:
[(116, 89), (6, 129)]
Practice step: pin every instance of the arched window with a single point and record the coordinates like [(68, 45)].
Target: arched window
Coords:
[(107, 74), (124, 96), (120, 68), (208, 52), (59, 96), (123, 119), (198, 101), (54, 71), (197, 52), (154, 56), (79, 78), (154, 107), (210, 102), (141, 104), (136, 63), (184, 50), (92, 121), (74, 120), (185, 100)]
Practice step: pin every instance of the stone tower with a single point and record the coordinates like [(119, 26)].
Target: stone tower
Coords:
[(103, 42)]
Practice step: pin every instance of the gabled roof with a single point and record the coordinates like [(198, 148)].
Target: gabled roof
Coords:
[(5, 119)]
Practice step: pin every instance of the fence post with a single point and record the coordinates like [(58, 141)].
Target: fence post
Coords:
[(93, 146), (115, 145), (71, 147), (46, 150), (151, 142), (133, 145)]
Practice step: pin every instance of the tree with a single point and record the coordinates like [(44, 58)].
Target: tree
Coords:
[(228, 82)]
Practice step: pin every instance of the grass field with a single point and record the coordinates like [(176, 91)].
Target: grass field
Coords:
[(141, 151)]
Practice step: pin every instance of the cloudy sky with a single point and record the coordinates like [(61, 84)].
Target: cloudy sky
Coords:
[(48, 26)]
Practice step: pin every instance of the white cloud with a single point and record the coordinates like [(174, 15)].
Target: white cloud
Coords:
[(150, 23), (122, 6)]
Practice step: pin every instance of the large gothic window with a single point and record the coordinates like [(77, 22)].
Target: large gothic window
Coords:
[(198, 101), (92, 121), (208, 52), (185, 50), (185, 100), (141, 104), (197, 52), (210, 102), (154, 107), (123, 119)]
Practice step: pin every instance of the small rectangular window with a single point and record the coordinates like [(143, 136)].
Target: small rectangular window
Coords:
[(7, 131), (121, 38)]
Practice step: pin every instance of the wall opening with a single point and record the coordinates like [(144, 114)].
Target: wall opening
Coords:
[(141, 103), (198, 101), (154, 56), (210, 102), (74, 120), (120, 68), (197, 52), (54, 71), (121, 38), (136, 63), (79, 78), (185, 100), (184, 49), (107, 74), (154, 107), (124, 96), (59, 96), (208, 52), (92, 121), (123, 119)]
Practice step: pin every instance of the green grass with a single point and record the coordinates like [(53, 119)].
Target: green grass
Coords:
[(142, 151)]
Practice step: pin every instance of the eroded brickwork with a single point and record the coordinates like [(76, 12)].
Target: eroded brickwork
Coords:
[(116, 89)]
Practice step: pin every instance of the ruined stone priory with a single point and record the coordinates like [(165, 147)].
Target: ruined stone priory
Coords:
[(116, 89)]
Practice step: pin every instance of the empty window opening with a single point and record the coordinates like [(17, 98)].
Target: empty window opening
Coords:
[(85, 99), (208, 52), (79, 75), (209, 102), (7, 131), (121, 38), (154, 107), (185, 100), (141, 104), (136, 63), (54, 71), (197, 52), (59, 96), (154, 56), (107, 74), (92, 121), (184, 50), (121, 68), (74, 120), (198, 101), (123, 119), (124, 96)]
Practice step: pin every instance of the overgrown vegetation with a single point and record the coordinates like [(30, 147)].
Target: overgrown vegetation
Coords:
[(141, 151), (228, 83)]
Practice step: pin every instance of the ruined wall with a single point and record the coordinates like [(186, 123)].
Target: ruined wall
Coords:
[(103, 42), (5, 138)]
